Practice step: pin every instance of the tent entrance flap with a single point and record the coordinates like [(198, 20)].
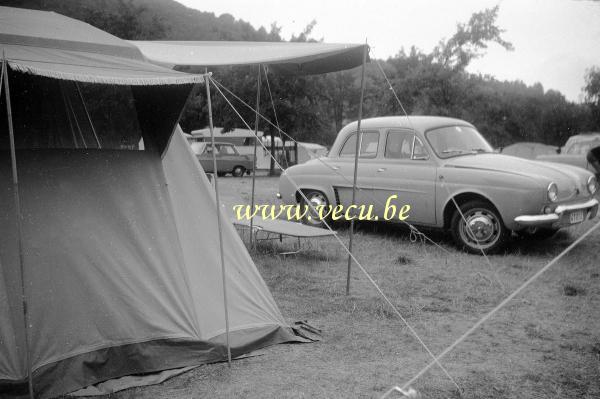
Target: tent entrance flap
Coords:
[(90, 116)]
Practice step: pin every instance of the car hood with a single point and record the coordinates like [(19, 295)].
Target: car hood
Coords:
[(569, 179)]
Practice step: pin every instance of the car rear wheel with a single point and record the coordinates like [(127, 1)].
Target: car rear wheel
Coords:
[(316, 199), (238, 171), (478, 228)]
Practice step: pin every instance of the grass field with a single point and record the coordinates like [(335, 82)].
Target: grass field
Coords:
[(543, 344)]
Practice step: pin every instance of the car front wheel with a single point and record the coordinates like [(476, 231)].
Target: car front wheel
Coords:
[(238, 171), (478, 227), (316, 199)]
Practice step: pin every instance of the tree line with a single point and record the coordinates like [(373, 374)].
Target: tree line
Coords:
[(314, 108)]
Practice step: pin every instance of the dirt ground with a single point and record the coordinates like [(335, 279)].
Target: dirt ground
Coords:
[(543, 344)]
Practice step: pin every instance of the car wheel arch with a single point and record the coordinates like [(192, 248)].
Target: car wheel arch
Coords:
[(309, 189), (241, 167), (462, 198)]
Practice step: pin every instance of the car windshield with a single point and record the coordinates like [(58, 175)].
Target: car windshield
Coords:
[(452, 141)]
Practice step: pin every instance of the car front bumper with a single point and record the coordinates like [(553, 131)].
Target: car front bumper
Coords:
[(561, 217)]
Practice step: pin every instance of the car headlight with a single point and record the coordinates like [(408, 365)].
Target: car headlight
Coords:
[(552, 192), (592, 185)]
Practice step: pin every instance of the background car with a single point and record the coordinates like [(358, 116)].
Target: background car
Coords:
[(575, 151), (450, 176), (229, 160), (529, 150)]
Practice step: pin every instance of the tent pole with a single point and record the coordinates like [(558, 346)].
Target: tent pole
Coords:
[(15, 176), (215, 176), (254, 159), (357, 150)]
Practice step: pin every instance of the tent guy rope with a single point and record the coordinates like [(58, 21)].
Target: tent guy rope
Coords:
[(219, 222), (360, 266), (501, 304), (266, 71), (19, 217), (491, 313), (409, 121), (370, 196)]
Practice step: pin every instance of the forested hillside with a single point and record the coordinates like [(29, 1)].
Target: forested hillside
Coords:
[(313, 108)]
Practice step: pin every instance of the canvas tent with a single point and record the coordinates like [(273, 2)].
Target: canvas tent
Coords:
[(283, 57), (107, 220)]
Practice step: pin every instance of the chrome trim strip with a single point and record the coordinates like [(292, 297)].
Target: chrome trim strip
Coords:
[(575, 207), (531, 220)]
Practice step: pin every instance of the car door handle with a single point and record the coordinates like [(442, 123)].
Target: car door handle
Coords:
[(335, 167), (381, 170)]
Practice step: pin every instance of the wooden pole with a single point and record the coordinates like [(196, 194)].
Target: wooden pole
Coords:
[(17, 199), (216, 180), (357, 150), (254, 159)]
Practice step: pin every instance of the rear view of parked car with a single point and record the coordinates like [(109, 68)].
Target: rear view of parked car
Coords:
[(451, 178)]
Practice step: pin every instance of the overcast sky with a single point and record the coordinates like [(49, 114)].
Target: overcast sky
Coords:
[(555, 40)]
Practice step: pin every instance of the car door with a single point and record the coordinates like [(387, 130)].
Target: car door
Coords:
[(227, 158), (343, 168), (407, 171), (206, 160)]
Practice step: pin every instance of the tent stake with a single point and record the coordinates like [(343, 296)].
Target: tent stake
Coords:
[(357, 150), (254, 159), (215, 176), (15, 176)]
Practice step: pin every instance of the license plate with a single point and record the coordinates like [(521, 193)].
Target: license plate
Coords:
[(576, 217)]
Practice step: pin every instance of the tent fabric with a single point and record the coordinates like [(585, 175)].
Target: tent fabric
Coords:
[(52, 45), (121, 268), (130, 381), (286, 57), (120, 115)]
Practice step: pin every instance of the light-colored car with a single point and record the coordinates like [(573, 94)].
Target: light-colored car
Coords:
[(529, 150), (229, 160), (431, 163), (575, 151)]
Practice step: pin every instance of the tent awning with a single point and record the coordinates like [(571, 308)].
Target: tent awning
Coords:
[(52, 45), (299, 58), (92, 68)]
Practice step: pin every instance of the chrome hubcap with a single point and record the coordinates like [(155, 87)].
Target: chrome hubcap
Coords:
[(480, 228), (315, 200)]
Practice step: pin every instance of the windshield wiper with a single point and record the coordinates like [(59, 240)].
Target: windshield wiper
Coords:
[(449, 151), (479, 150)]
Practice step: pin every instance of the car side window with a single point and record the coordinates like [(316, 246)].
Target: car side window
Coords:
[(419, 151), (209, 150), (227, 150), (403, 144), (368, 145), (399, 144)]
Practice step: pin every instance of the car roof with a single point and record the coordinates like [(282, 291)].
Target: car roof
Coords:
[(420, 123), (583, 138)]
